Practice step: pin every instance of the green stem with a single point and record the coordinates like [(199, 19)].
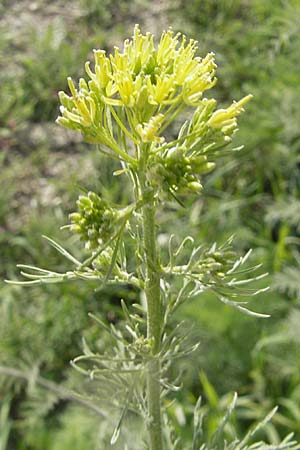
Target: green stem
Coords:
[(152, 291), (122, 126)]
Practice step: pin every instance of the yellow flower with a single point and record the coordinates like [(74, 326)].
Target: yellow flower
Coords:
[(167, 46), (227, 117), (148, 131), (102, 69), (167, 74), (160, 92), (125, 87)]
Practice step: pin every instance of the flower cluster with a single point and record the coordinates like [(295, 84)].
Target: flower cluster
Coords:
[(94, 221), (142, 78), (134, 94), (226, 119)]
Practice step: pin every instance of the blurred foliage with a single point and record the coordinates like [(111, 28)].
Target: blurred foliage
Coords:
[(110, 13), (255, 196), (51, 47)]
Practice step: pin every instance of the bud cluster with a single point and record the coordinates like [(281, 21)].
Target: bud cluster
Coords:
[(211, 129), (178, 168), (178, 172), (216, 263), (94, 221)]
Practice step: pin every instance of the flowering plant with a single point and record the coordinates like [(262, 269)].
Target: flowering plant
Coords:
[(142, 90), (130, 100)]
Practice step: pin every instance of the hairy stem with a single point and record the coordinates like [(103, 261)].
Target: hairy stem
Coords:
[(152, 291)]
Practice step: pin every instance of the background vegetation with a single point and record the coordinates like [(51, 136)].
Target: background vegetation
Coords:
[(254, 196)]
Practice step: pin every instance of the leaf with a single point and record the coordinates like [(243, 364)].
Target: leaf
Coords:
[(256, 428), (61, 250), (287, 210), (288, 281), (215, 440), (198, 420), (242, 309), (116, 432), (211, 394)]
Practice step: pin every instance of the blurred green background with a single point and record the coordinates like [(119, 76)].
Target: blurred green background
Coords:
[(254, 194)]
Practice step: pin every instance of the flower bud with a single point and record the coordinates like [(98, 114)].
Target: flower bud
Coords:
[(195, 186), (148, 131)]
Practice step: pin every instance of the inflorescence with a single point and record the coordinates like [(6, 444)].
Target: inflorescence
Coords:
[(133, 95)]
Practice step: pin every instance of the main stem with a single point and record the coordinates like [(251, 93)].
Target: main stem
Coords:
[(152, 291)]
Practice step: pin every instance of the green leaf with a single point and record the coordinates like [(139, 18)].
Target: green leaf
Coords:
[(210, 393)]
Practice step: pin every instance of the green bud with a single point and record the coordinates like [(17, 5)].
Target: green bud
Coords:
[(83, 85), (174, 154), (65, 100), (92, 234), (94, 197), (75, 228), (205, 109), (102, 262), (66, 123), (75, 217), (84, 202), (206, 167), (220, 274), (142, 98), (195, 186), (94, 221)]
